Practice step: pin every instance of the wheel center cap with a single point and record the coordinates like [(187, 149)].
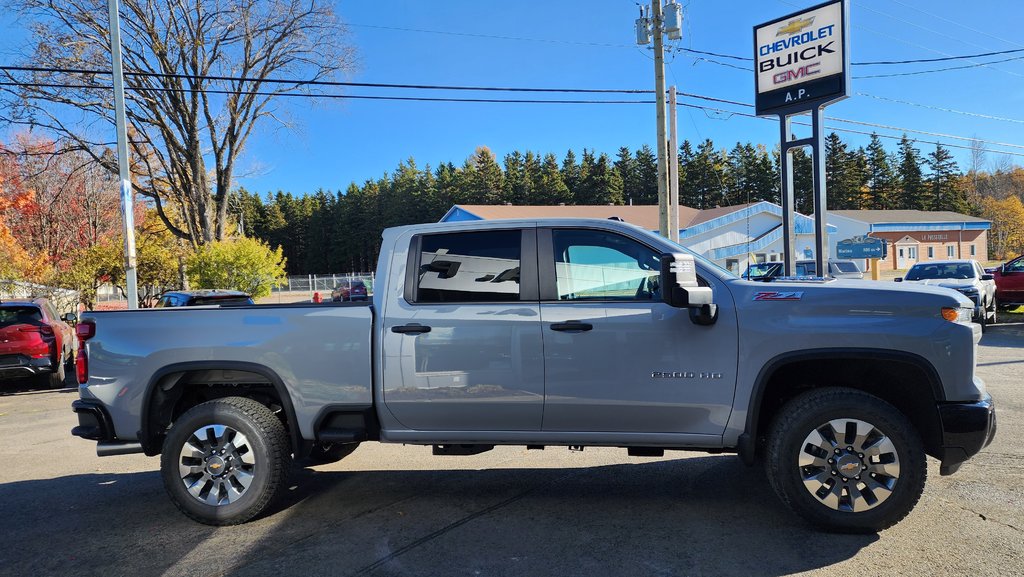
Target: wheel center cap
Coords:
[(215, 466), (848, 465)]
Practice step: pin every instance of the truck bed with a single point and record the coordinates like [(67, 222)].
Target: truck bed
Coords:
[(320, 353)]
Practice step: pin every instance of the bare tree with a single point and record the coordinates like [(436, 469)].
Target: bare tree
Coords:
[(200, 75)]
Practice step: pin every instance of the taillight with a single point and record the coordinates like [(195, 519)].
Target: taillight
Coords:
[(41, 329), (85, 330)]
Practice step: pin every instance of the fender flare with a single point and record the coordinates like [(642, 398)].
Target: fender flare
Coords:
[(746, 444), (267, 373)]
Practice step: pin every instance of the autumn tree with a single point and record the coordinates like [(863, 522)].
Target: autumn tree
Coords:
[(1006, 238), (200, 76), (244, 264)]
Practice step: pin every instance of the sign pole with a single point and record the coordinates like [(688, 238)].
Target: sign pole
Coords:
[(820, 191), (786, 173), (659, 107), (127, 197), (802, 64)]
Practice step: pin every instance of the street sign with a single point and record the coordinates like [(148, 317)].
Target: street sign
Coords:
[(801, 60), (861, 247)]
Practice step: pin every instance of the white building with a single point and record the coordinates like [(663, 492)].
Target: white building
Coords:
[(731, 236)]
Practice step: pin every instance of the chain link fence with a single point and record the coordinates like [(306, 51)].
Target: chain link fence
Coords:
[(325, 283)]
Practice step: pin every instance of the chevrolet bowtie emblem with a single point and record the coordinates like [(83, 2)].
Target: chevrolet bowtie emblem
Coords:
[(794, 26)]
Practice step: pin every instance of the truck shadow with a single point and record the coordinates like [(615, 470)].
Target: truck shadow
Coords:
[(701, 515)]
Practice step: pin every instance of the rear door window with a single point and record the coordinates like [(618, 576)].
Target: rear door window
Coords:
[(479, 266)]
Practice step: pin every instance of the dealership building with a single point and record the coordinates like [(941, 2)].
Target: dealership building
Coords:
[(731, 236), (735, 236), (915, 235)]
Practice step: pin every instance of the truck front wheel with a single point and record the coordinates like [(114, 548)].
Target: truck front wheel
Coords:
[(845, 460), (225, 460)]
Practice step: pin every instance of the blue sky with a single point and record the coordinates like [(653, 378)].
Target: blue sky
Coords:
[(576, 44)]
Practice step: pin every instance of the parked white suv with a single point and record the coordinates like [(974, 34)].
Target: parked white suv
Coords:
[(964, 276)]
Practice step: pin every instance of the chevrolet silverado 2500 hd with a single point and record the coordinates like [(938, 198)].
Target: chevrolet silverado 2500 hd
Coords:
[(550, 332)]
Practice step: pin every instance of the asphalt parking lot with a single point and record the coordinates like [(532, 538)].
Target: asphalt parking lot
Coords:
[(397, 510)]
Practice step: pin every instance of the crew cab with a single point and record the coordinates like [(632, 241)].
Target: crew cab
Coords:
[(564, 332)]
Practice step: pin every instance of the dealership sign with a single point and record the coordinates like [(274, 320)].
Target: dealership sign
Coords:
[(802, 60)]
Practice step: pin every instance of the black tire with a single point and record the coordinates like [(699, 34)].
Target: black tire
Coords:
[(983, 321), (55, 380), (261, 457), (325, 453), (995, 313), (815, 412)]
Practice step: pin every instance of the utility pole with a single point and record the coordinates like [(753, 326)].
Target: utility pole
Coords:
[(659, 97), (658, 22), (673, 168), (127, 198)]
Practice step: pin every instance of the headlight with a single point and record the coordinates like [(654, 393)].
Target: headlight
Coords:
[(957, 315)]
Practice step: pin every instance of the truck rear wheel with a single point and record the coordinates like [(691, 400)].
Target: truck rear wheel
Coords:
[(224, 461), (845, 460)]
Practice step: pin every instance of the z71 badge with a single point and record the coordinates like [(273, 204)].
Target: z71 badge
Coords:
[(778, 295)]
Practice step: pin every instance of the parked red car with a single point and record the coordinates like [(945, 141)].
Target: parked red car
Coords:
[(1009, 283), (35, 341), (354, 290)]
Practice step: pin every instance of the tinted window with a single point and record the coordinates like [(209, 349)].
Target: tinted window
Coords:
[(469, 267), (230, 300), (596, 265), (19, 315)]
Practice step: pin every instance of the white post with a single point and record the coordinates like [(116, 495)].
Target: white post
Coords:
[(127, 197)]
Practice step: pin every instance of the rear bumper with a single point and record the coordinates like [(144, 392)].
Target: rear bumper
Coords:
[(967, 428), (93, 421), (14, 366), (94, 424)]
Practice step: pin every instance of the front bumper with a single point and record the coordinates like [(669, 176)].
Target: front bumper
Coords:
[(967, 428)]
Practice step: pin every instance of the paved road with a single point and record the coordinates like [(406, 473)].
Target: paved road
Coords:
[(394, 510)]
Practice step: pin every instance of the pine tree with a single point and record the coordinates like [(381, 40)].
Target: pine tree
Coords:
[(837, 178), (571, 174), (516, 183), (912, 192), (551, 189), (602, 182), (626, 166), (647, 176), (881, 180), (687, 190), (947, 191)]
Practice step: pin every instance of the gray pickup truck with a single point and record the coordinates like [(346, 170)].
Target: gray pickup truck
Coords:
[(550, 333)]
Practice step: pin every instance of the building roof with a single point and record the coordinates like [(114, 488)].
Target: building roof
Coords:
[(905, 216), (642, 215)]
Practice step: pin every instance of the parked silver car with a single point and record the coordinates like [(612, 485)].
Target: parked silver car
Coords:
[(965, 276), (837, 268)]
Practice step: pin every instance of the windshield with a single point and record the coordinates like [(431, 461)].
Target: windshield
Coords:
[(845, 266), (930, 271), (761, 269)]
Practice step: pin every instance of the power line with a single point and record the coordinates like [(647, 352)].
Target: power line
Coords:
[(505, 101), (942, 109), (675, 49), (960, 24), (966, 66)]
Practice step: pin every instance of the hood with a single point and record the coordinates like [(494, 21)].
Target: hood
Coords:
[(953, 283)]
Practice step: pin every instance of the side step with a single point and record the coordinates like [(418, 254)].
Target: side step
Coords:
[(645, 452), (461, 450)]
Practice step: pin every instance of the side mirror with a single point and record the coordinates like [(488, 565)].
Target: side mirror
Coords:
[(70, 318), (898, 279), (680, 289), (987, 277)]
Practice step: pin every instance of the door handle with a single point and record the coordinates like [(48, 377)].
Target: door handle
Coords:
[(572, 327), (410, 329)]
